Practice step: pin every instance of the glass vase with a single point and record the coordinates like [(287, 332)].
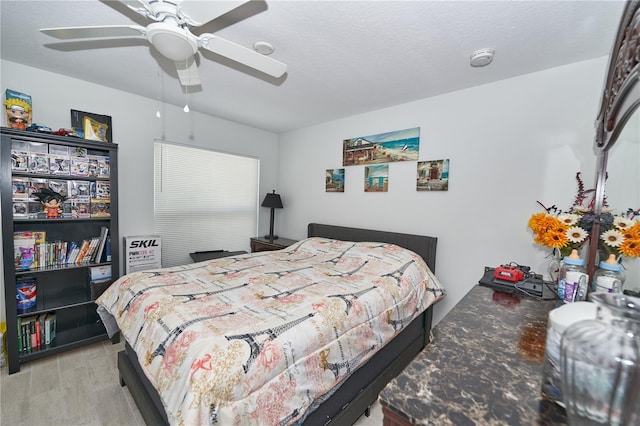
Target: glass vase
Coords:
[(600, 363), (553, 269)]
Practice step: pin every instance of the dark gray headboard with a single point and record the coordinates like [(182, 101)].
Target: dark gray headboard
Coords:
[(422, 245)]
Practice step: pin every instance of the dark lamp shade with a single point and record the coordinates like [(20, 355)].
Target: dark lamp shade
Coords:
[(272, 200)]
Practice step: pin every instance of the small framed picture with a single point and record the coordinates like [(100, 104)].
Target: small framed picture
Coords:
[(334, 180), (376, 178), (433, 175)]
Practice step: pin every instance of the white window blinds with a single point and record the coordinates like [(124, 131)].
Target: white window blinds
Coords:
[(204, 200)]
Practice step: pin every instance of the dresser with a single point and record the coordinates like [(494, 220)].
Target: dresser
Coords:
[(266, 244), (484, 366)]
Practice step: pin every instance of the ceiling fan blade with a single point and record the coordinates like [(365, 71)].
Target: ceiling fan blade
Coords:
[(242, 55), (188, 72), (140, 7), (95, 32), (198, 13)]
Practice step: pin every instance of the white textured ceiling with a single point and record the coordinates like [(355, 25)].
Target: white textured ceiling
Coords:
[(343, 57)]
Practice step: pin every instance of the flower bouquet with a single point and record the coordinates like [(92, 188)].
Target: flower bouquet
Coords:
[(619, 235), (563, 231)]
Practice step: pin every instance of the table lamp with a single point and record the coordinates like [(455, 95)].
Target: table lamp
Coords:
[(272, 201)]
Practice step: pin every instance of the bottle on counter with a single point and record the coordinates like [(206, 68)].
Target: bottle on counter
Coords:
[(572, 278), (609, 278)]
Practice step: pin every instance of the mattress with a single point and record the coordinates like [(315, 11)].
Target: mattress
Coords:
[(261, 338)]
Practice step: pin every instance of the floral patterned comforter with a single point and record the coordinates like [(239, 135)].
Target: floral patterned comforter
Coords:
[(257, 338)]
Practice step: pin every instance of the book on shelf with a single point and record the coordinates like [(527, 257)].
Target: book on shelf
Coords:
[(31, 250), (19, 324), (36, 331), (107, 250), (49, 327), (73, 247), (89, 255), (104, 233), (29, 333), (82, 251), (41, 333)]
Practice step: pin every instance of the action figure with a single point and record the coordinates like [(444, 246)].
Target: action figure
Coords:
[(18, 113), (26, 257), (52, 201)]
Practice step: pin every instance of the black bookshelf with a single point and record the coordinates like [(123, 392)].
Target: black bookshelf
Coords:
[(63, 289)]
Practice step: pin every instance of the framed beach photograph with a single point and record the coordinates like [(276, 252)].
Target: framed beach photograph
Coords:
[(433, 175), (334, 180), (399, 145), (376, 178)]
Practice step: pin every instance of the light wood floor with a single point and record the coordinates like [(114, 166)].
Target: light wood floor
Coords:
[(80, 387)]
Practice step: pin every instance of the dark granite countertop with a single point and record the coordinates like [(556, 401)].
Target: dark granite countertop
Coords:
[(484, 366)]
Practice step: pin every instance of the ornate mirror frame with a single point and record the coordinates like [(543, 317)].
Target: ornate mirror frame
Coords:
[(620, 99)]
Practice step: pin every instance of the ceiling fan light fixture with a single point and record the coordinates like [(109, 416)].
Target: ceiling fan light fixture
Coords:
[(481, 58), (172, 41)]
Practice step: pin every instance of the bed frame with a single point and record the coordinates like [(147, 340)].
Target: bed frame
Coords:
[(354, 397)]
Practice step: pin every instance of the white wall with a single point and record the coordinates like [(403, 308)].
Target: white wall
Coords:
[(134, 129), (510, 143)]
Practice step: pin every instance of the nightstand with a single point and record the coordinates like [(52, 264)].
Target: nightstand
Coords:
[(265, 244)]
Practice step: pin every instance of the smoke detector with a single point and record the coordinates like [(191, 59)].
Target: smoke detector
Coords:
[(481, 58), (263, 47)]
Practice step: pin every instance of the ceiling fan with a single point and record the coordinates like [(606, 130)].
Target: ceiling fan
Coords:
[(171, 36)]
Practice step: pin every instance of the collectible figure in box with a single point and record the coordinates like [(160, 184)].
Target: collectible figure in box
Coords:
[(38, 158), (104, 169), (19, 188), (80, 209), (93, 165), (100, 208), (36, 210), (18, 106), (37, 185), (20, 209), (60, 186), (19, 156), (100, 190), (80, 166), (80, 190), (59, 159)]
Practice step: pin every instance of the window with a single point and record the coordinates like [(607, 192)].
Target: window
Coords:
[(204, 200)]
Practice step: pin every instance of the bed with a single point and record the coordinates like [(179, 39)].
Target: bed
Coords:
[(356, 376)]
